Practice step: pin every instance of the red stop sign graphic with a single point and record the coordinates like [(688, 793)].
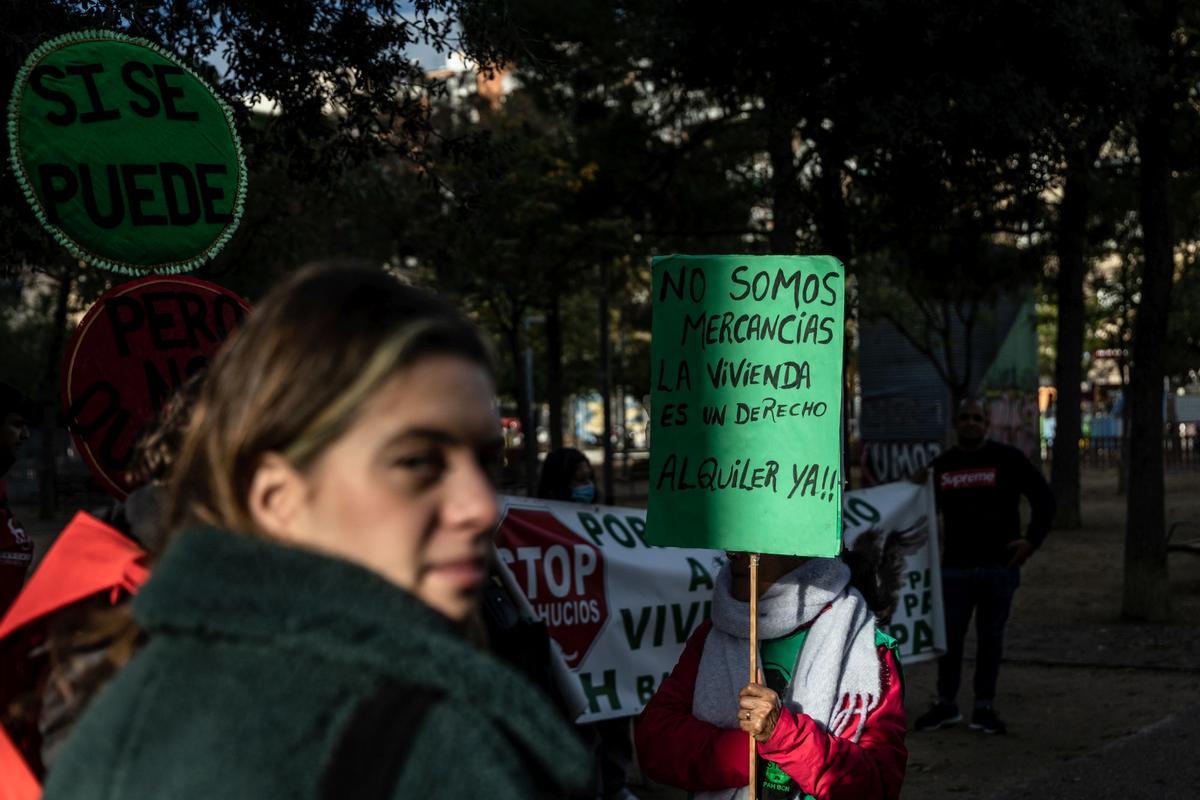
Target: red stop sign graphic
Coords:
[(134, 347), (562, 575)]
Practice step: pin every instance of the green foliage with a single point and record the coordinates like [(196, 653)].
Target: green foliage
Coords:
[(923, 142), (337, 71), (25, 326), (526, 228)]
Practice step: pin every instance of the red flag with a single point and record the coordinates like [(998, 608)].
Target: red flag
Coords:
[(88, 557), (18, 783)]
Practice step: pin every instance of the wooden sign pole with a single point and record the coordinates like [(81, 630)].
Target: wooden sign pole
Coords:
[(753, 665)]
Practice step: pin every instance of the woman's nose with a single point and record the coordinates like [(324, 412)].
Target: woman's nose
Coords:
[(472, 502)]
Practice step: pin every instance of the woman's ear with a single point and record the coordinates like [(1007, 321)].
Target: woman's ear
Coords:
[(277, 496)]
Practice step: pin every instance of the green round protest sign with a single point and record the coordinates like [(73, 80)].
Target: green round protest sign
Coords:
[(128, 158)]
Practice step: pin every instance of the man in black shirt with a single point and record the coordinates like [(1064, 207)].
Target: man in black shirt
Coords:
[(979, 484)]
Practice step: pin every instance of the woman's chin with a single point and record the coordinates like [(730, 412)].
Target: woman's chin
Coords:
[(455, 603)]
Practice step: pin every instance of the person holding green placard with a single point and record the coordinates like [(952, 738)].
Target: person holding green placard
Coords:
[(330, 512), (827, 711)]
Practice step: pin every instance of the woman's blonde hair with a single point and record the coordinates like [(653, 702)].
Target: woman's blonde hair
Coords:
[(294, 376)]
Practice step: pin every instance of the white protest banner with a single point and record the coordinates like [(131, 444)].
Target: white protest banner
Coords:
[(895, 525), (621, 610)]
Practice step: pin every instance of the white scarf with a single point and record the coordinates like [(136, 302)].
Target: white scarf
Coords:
[(836, 677)]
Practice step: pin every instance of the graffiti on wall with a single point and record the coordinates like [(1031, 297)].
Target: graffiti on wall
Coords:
[(884, 462), (1013, 419)]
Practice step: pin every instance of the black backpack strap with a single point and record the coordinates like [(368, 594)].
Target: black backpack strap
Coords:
[(374, 745)]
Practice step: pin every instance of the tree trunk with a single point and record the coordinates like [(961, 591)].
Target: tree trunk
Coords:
[(1123, 462), (1146, 595), (48, 394), (834, 220), (1068, 366), (606, 383), (785, 205), (847, 415), (524, 406), (1172, 443), (1126, 347), (554, 370), (835, 234)]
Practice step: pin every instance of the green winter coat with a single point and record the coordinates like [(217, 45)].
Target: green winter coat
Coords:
[(273, 672)]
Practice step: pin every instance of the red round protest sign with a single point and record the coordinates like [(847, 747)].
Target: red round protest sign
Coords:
[(137, 344), (561, 574)]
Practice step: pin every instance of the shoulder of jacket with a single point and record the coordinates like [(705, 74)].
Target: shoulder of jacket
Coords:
[(888, 644), (455, 749), (1004, 447)]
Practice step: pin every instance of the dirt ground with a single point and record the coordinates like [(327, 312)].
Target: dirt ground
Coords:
[(1075, 679)]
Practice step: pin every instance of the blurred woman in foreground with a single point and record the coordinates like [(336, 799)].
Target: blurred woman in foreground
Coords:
[(334, 507)]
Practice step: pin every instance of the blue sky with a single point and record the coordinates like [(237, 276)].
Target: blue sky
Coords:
[(423, 54)]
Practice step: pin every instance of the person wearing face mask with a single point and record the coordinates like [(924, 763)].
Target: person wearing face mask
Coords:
[(567, 475), (330, 510), (827, 712), (979, 484)]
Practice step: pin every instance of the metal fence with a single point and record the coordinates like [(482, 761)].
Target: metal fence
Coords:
[(1100, 452)]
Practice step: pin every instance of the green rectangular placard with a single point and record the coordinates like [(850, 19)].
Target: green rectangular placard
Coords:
[(746, 401)]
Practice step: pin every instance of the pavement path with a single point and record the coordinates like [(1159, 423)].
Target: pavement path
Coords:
[(1160, 761)]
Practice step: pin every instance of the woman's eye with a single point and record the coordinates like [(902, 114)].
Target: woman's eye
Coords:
[(425, 463)]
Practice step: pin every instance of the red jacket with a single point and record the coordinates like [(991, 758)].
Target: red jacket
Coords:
[(677, 749)]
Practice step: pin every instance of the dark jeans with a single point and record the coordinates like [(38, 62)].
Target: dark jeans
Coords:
[(986, 592)]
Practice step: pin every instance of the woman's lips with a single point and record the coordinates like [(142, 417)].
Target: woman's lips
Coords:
[(468, 573)]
